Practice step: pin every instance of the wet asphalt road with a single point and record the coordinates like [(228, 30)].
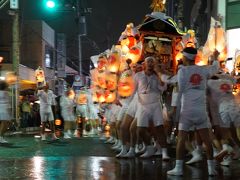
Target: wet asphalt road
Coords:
[(26, 157)]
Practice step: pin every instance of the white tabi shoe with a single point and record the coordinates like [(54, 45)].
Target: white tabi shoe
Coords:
[(178, 170), (123, 152), (196, 157), (131, 153), (149, 152)]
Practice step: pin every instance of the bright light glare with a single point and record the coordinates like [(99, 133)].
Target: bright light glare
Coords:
[(230, 65), (50, 4), (233, 39)]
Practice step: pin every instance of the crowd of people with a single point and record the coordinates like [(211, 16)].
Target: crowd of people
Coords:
[(74, 110), (203, 116)]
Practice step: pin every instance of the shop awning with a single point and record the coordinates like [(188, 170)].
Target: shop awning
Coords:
[(70, 71), (26, 78)]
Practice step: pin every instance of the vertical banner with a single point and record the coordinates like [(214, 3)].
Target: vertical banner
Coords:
[(61, 55)]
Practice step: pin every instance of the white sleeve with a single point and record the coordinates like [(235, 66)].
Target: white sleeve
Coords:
[(213, 69), (39, 93)]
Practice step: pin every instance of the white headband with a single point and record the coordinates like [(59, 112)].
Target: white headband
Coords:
[(149, 58), (189, 56)]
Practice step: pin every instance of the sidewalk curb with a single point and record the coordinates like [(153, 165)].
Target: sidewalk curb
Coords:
[(28, 130)]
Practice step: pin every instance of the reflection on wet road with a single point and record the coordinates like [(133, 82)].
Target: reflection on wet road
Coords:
[(89, 158)]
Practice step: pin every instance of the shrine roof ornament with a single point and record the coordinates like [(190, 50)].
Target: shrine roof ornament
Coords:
[(158, 5)]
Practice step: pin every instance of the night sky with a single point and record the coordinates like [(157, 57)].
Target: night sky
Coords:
[(104, 24)]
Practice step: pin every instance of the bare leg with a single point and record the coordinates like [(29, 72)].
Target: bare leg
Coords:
[(124, 129), (133, 133), (207, 141)]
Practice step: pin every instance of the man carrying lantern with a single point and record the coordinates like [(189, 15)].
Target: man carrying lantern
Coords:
[(149, 87), (47, 100), (192, 82)]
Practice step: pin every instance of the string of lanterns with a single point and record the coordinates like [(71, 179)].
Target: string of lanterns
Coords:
[(112, 77)]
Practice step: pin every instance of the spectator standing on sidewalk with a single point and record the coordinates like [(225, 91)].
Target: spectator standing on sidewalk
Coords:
[(26, 112)]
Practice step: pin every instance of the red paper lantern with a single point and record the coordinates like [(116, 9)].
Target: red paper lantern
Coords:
[(111, 81), (101, 80), (126, 84), (110, 96), (113, 62), (102, 62)]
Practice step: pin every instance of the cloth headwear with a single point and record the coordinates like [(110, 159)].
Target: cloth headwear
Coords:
[(149, 58), (190, 53)]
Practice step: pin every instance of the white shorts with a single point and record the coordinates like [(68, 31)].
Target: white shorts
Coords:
[(229, 112), (112, 118), (150, 112), (92, 114), (132, 108), (46, 116), (198, 120), (121, 113), (81, 110), (69, 117)]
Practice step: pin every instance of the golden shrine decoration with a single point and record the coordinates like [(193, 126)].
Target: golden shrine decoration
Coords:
[(158, 5)]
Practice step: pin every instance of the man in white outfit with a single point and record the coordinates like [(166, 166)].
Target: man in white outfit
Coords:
[(47, 100), (192, 82), (149, 87), (67, 111)]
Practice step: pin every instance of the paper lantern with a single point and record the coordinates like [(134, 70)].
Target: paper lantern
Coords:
[(94, 96), (101, 79), (58, 122), (126, 84), (216, 37), (100, 96), (237, 64), (201, 59), (107, 127), (11, 78), (134, 54), (101, 63), (220, 39), (110, 96), (113, 62), (111, 81), (123, 65), (223, 55), (71, 94), (39, 75), (124, 50), (179, 56), (129, 41)]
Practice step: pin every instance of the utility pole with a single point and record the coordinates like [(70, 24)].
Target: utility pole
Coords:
[(79, 38), (14, 6)]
